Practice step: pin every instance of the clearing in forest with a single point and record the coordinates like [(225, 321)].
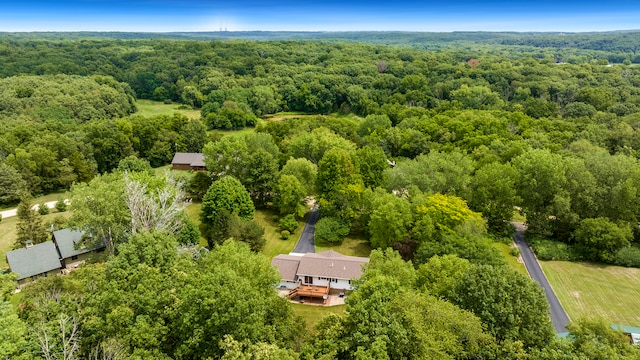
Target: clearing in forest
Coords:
[(588, 290)]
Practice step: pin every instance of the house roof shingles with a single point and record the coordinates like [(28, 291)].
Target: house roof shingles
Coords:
[(329, 264), (288, 266), (193, 159), (67, 241), (35, 260)]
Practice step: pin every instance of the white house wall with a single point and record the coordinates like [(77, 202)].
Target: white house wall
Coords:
[(340, 284)]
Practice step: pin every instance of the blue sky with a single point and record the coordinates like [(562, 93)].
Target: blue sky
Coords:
[(328, 15)]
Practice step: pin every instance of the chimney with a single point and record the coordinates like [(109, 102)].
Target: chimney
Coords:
[(28, 244)]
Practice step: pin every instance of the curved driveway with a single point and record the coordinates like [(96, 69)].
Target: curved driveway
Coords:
[(14, 212), (558, 315), (305, 243)]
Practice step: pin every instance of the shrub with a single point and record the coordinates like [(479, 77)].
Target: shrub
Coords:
[(57, 223), (331, 230), (43, 209), (61, 206), (628, 256), (515, 251), (284, 235), (288, 223), (554, 250)]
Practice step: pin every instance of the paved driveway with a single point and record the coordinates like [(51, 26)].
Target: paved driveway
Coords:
[(558, 315), (305, 243)]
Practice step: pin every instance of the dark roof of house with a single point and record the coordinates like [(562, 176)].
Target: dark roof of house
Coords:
[(38, 259), (70, 243), (193, 159), (329, 264)]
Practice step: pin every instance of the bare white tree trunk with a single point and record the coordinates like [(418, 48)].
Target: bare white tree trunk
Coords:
[(69, 341), (110, 349), (159, 210), (70, 336)]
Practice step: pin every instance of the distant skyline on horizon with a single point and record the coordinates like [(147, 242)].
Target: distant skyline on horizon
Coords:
[(328, 15)]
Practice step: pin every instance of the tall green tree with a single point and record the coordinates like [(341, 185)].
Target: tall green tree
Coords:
[(600, 238), (29, 225), (100, 209), (512, 306), (494, 194), (11, 184), (289, 197), (225, 197)]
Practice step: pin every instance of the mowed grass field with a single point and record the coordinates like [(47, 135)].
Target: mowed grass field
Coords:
[(588, 290), (152, 108), (312, 314), (8, 233)]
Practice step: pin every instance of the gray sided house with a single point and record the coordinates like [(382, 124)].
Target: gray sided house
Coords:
[(188, 161), (65, 251), (327, 268)]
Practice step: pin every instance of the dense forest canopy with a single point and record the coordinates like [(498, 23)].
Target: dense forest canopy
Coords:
[(426, 154)]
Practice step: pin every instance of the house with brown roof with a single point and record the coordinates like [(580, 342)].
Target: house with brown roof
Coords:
[(326, 269), (188, 161)]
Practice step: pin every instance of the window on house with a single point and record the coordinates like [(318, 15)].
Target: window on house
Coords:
[(308, 279), (74, 257)]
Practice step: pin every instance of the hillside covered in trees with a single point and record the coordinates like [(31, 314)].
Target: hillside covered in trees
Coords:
[(428, 154)]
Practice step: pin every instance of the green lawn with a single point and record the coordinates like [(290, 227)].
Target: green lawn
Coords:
[(312, 314), (159, 171), (511, 260), (356, 245), (274, 244), (8, 233), (585, 289), (149, 108), (193, 211)]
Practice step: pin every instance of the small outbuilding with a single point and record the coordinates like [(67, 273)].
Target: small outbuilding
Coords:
[(188, 161)]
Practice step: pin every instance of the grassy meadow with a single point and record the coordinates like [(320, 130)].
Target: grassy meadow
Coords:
[(149, 108), (587, 290)]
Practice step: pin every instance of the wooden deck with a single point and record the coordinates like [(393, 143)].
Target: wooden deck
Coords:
[(310, 291)]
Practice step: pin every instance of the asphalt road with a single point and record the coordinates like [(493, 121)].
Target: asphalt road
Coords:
[(305, 243), (558, 315)]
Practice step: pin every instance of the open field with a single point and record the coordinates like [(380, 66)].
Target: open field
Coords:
[(149, 108), (288, 115), (356, 245), (586, 289), (312, 314), (8, 232)]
